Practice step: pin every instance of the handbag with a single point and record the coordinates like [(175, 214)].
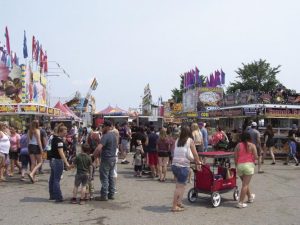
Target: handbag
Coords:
[(189, 154)]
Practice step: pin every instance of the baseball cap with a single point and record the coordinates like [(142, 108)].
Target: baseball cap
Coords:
[(253, 124), (107, 123)]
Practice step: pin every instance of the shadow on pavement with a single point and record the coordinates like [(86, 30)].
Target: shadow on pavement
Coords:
[(158, 209), (33, 199)]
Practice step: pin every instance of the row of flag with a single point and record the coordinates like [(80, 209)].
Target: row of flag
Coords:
[(38, 55), (192, 79)]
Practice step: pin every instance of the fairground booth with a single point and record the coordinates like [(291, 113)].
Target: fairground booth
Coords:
[(23, 95)]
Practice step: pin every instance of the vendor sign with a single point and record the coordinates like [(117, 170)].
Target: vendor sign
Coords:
[(209, 97), (287, 113), (42, 109), (189, 99), (8, 108), (56, 112), (29, 108), (50, 111)]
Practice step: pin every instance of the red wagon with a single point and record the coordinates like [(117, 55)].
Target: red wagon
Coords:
[(220, 179)]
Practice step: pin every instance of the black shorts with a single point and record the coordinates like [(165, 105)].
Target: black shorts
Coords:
[(81, 179), (199, 148), (34, 150), (137, 168), (13, 155)]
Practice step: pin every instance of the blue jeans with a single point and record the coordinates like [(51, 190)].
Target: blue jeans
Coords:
[(57, 166), (107, 177)]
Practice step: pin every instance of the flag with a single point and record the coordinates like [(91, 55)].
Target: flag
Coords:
[(7, 41), (217, 78), (8, 61), (41, 56), (37, 51), (25, 53), (45, 61), (33, 47), (94, 84), (212, 80), (3, 57), (222, 77), (207, 82)]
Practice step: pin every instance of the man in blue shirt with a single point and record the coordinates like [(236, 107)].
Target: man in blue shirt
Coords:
[(204, 136), (107, 151)]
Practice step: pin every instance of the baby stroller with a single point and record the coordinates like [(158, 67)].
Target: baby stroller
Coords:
[(220, 179)]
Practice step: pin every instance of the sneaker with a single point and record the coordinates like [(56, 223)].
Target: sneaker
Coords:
[(111, 197), (251, 199), (59, 200), (241, 205), (74, 201), (297, 164), (273, 163), (101, 198)]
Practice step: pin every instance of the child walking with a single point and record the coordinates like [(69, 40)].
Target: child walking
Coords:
[(292, 149), (138, 159), (83, 163)]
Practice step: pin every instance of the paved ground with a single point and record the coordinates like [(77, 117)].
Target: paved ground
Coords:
[(146, 201)]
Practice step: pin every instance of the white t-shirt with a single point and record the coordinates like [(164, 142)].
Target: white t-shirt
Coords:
[(4, 144), (180, 154)]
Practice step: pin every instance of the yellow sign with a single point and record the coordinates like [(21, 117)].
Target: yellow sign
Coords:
[(51, 111), (177, 107), (36, 76), (56, 112), (8, 108), (29, 108), (43, 109)]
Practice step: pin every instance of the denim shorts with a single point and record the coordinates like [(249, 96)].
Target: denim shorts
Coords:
[(245, 169), (181, 173)]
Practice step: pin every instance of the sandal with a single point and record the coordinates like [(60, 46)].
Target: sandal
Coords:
[(82, 201), (180, 206), (30, 178), (177, 209)]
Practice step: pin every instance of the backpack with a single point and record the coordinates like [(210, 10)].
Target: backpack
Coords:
[(93, 140), (48, 146)]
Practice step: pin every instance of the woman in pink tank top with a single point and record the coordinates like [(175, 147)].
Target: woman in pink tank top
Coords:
[(245, 155)]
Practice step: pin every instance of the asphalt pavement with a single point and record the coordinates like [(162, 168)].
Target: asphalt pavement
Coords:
[(147, 201)]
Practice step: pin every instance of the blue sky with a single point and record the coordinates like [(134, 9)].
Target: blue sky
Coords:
[(127, 44)]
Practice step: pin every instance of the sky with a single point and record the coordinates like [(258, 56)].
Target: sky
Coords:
[(127, 44)]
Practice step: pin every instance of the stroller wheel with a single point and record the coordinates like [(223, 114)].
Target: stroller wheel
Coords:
[(192, 195), (215, 199), (236, 194)]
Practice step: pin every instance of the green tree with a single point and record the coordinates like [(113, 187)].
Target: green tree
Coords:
[(177, 93), (258, 76)]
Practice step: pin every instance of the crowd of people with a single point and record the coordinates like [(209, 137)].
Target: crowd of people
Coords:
[(154, 151)]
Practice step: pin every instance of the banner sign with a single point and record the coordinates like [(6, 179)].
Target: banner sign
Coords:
[(291, 113)]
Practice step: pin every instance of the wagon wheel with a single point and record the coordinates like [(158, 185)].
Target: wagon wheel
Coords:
[(236, 194), (192, 195), (215, 199)]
